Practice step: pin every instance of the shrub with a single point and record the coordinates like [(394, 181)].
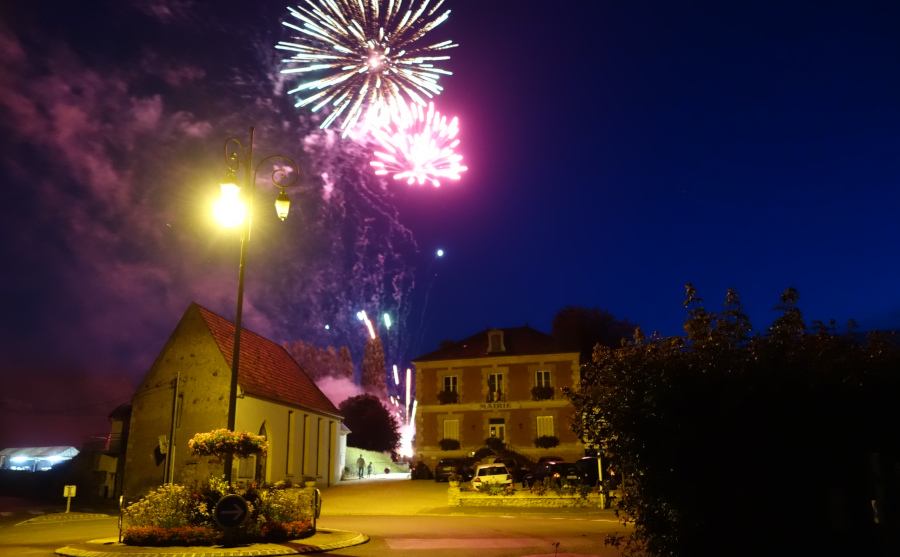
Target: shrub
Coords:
[(449, 444), (448, 397), (155, 536), (168, 506), (546, 441), (494, 488), (541, 392), (283, 531)]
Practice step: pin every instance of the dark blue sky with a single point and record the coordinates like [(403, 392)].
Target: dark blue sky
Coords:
[(616, 150)]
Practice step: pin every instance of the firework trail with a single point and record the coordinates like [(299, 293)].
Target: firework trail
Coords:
[(418, 145), (368, 53)]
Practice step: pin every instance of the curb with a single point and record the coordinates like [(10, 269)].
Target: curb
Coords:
[(63, 517), (108, 547)]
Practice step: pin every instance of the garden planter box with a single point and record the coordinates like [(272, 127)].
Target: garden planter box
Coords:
[(522, 499)]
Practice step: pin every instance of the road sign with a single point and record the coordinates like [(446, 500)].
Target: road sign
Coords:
[(230, 511), (69, 491)]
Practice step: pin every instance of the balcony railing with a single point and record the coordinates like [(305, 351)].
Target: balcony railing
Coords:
[(448, 397), (495, 396)]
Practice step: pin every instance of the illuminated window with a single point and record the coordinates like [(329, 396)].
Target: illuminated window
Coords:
[(497, 428), (451, 429), (542, 378)]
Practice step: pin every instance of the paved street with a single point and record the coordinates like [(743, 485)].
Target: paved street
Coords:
[(402, 517)]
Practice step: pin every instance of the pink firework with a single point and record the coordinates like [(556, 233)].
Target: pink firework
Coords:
[(418, 145)]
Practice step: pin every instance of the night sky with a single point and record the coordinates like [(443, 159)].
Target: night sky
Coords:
[(616, 150)]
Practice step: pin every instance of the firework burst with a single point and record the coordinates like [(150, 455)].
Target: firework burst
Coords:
[(369, 53), (418, 145)]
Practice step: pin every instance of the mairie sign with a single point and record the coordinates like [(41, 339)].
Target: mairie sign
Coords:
[(230, 511)]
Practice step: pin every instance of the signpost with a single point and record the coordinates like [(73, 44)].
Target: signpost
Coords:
[(68, 493), (230, 511)]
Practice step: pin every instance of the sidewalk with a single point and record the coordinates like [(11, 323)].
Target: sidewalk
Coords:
[(325, 539)]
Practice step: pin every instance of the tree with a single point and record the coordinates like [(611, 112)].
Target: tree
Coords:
[(371, 426), (583, 328), (374, 369), (732, 444)]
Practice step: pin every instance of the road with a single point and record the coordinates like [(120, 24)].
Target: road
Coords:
[(402, 518)]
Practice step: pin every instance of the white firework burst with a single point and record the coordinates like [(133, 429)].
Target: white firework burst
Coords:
[(364, 54)]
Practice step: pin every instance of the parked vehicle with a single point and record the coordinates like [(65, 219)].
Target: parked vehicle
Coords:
[(447, 467), (589, 470), (517, 468), (491, 473), (560, 473)]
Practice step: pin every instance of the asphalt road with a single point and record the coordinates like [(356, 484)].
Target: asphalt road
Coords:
[(400, 517)]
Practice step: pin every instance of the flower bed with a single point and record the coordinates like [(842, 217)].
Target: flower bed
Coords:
[(540, 496), (177, 515)]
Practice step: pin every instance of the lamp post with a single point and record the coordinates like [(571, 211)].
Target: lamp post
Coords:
[(231, 212)]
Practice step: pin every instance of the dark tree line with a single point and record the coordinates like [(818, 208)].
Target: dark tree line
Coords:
[(734, 443), (371, 426)]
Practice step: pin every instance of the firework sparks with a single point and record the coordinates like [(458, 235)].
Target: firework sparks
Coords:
[(418, 145), (368, 52)]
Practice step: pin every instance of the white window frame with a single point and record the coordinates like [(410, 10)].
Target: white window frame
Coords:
[(453, 381), (497, 430), (543, 378), (498, 386)]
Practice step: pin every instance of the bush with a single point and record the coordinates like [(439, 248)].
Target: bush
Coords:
[(541, 392), (546, 441), (448, 397), (168, 506), (496, 488), (449, 444)]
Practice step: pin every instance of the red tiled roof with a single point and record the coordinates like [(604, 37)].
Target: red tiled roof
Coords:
[(266, 369), (518, 341)]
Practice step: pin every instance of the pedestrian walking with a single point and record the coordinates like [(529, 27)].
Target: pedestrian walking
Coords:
[(370, 470), (360, 466)]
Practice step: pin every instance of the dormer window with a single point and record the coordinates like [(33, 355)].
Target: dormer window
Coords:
[(495, 342)]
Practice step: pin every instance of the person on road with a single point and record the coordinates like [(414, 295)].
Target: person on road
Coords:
[(370, 470), (360, 466)]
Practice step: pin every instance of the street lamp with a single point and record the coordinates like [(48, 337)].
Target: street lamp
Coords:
[(231, 211)]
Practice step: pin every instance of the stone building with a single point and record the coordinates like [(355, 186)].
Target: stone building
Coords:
[(499, 383), (186, 392)]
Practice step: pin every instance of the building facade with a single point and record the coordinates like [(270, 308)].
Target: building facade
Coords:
[(500, 383), (186, 392)]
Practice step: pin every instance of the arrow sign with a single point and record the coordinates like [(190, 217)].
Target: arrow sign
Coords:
[(230, 511)]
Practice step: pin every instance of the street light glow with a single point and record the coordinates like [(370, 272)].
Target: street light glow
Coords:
[(387, 320), (229, 209), (439, 252)]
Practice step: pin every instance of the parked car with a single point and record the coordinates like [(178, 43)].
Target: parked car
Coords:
[(518, 468), (590, 472), (491, 473), (560, 473), (447, 467)]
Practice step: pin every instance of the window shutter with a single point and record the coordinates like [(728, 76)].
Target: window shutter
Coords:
[(451, 429), (544, 426)]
